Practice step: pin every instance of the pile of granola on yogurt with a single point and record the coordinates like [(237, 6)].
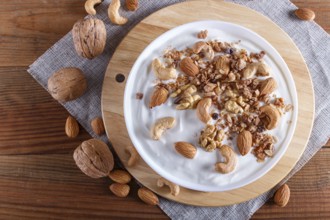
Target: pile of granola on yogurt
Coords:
[(231, 90)]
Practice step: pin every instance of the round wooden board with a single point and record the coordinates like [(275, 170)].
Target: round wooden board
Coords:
[(158, 23)]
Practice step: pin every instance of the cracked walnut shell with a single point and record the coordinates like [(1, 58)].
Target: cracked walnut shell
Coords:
[(94, 158), (89, 37)]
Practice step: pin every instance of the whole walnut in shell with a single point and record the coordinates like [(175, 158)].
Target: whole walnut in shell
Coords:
[(89, 37), (94, 158), (67, 84)]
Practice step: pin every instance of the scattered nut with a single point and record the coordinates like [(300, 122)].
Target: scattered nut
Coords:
[(207, 50), (267, 86), (98, 126), (160, 126), (305, 14), (71, 127), (119, 189), (185, 149), (67, 84), (244, 142), (133, 156), (120, 176), (203, 108), (113, 13), (90, 4), (231, 160), (223, 65), (132, 5), (188, 66), (94, 158), (270, 116), (232, 106), (211, 138), (259, 68), (89, 37), (161, 71), (282, 196), (158, 97), (202, 34), (175, 189), (148, 196)]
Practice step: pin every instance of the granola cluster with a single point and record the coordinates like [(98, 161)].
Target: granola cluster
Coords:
[(238, 86)]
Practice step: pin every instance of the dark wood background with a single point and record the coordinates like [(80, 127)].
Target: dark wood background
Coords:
[(38, 177)]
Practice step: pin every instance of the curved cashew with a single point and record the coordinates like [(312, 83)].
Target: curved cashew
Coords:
[(161, 71), (203, 108), (113, 13), (201, 46), (258, 68), (231, 160), (133, 155), (160, 126), (90, 4), (270, 116), (175, 189)]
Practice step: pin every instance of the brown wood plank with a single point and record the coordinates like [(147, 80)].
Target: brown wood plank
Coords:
[(310, 193), (29, 28), (31, 121), (40, 186)]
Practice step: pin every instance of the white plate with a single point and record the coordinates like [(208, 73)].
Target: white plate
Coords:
[(199, 173)]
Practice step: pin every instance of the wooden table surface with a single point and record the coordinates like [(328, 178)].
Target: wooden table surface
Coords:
[(38, 177)]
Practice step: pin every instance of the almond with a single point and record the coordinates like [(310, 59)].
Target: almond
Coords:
[(305, 14), (120, 176), (132, 5), (158, 97), (148, 196), (120, 190), (71, 127), (98, 126), (203, 108), (282, 196), (267, 86), (185, 149), (188, 66), (244, 142)]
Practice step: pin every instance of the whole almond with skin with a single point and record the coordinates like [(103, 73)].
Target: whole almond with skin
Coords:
[(267, 86), (71, 127), (305, 14), (203, 108), (148, 196), (158, 97), (282, 196), (244, 142), (188, 66), (98, 126), (185, 149), (132, 5), (120, 176), (120, 190)]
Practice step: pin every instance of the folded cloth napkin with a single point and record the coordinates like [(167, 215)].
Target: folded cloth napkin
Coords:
[(312, 40)]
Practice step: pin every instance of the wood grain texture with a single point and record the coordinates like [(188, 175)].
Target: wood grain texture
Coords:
[(23, 186), (152, 27)]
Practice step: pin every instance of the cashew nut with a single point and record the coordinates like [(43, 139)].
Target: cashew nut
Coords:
[(203, 108), (161, 71), (201, 46), (133, 155), (258, 68), (113, 13), (160, 126), (270, 116), (90, 4), (231, 160), (175, 189)]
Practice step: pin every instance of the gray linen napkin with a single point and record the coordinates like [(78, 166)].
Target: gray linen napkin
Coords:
[(312, 40)]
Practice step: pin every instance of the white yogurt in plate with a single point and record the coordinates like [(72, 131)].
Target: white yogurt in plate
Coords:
[(199, 173)]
